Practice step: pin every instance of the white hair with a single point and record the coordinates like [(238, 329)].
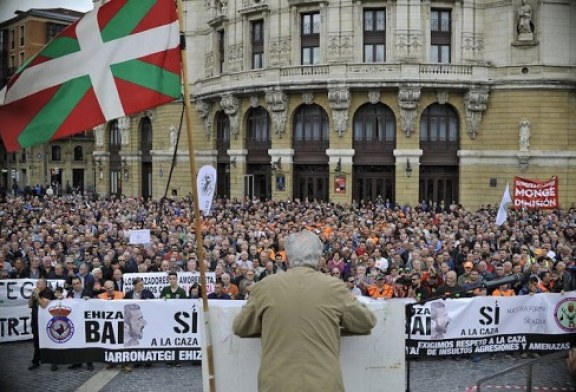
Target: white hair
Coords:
[(303, 249)]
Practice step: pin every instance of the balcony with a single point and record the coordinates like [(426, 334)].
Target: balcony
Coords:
[(372, 75)]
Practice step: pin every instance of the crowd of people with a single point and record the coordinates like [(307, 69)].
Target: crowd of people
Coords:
[(379, 249)]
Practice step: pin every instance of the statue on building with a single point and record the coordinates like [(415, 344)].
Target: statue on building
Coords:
[(173, 137), (525, 27), (524, 134)]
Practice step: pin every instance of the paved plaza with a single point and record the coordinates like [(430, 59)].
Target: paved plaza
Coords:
[(426, 375)]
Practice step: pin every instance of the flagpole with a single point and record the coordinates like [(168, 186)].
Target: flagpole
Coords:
[(206, 337)]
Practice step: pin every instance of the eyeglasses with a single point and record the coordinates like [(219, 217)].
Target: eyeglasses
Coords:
[(350, 281), (415, 279)]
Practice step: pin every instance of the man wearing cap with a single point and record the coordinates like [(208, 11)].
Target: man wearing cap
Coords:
[(465, 277), (300, 315)]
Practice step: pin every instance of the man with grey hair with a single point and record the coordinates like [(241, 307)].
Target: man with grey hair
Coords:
[(300, 315)]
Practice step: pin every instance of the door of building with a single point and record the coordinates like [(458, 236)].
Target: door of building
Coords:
[(311, 182)]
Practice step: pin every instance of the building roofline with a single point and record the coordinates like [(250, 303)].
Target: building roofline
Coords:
[(64, 15)]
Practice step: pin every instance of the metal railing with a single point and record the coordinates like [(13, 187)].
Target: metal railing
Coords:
[(529, 364)]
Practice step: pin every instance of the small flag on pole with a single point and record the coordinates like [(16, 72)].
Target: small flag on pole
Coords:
[(119, 59), (502, 210)]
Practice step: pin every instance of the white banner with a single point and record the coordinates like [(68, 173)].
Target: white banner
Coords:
[(205, 187), (156, 281), (541, 322), (15, 315), (73, 331)]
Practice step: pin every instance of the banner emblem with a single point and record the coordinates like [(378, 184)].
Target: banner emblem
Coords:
[(565, 314), (60, 328)]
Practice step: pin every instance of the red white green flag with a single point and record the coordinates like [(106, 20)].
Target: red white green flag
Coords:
[(120, 59)]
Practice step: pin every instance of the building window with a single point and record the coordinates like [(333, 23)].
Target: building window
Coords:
[(22, 57), (56, 154), (257, 40), (22, 37), (12, 39), (374, 35), (146, 134), (441, 36), (78, 153), (52, 30), (439, 124), (374, 123), (310, 38), (222, 133), (115, 136), (258, 126), (220, 35), (310, 124)]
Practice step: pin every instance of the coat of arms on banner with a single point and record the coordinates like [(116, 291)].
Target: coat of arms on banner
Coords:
[(60, 328), (565, 314)]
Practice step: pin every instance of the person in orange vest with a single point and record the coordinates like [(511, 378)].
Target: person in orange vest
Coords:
[(380, 290), (110, 293), (503, 291)]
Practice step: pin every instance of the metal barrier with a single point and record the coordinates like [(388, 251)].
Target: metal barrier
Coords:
[(529, 364)]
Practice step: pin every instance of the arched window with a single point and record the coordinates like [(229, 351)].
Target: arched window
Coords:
[(56, 153), (78, 153), (146, 134), (439, 124), (374, 123), (115, 136), (258, 126), (310, 124), (222, 133)]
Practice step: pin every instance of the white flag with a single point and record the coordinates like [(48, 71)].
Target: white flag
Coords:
[(205, 186), (502, 214)]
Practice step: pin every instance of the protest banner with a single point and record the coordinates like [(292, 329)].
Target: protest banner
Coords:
[(535, 323), (116, 332), (156, 281), (15, 315), (534, 194)]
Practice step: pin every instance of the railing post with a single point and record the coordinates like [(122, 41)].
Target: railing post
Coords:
[(529, 379)]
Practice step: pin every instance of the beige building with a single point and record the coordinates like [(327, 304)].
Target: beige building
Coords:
[(356, 100), (66, 163)]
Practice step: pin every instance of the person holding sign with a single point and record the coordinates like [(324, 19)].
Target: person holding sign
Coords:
[(40, 297), (300, 315)]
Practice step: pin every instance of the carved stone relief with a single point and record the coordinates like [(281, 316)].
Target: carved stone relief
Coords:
[(203, 108), (476, 101), (208, 65), (230, 105), (408, 43), (442, 97), (235, 57), (124, 127), (99, 135), (277, 106), (408, 98), (254, 101), (280, 51), (374, 96), (473, 45), (339, 100), (308, 97), (340, 47)]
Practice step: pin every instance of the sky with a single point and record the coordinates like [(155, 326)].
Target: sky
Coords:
[(7, 7)]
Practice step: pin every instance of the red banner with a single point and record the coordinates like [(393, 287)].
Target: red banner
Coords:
[(535, 195)]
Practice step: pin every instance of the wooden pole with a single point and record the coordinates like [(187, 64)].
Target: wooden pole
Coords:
[(206, 337)]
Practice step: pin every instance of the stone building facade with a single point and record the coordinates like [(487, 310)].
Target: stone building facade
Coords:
[(406, 100)]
